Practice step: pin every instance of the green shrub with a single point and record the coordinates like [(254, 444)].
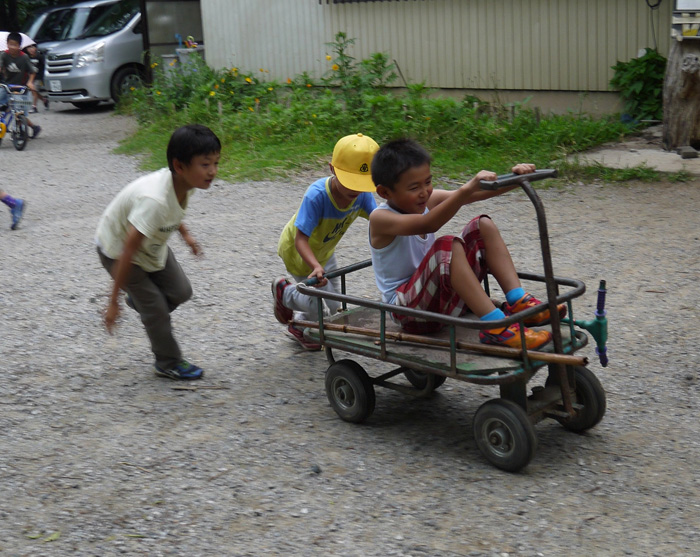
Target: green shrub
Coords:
[(268, 128), (640, 82)]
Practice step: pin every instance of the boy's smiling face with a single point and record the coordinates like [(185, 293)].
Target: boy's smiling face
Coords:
[(411, 192), (200, 172)]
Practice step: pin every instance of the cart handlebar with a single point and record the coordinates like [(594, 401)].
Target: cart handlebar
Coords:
[(508, 180), (339, 272)]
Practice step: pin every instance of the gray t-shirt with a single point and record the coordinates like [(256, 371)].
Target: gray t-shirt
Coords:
[(16, 71)]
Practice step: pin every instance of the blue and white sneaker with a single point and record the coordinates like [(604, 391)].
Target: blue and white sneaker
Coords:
[(184, 371), (17, 212)]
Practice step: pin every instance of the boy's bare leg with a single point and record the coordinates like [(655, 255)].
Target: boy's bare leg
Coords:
[(466, 283), (498, 259)]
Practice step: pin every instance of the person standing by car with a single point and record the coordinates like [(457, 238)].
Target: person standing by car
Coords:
[(17, 69), (38, 61)]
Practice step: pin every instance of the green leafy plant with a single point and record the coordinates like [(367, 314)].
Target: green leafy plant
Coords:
[(355, 79), (269, 128), (640, 82)]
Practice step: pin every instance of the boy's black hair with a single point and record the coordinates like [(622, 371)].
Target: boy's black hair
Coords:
[(395, 158), (14, 36), (189, 141)]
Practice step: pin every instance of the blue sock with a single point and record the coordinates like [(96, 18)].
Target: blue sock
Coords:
[(494, 315), (514, 295), (9, 201)]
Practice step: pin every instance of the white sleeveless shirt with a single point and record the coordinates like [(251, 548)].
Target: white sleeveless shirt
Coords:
[(394, 264)]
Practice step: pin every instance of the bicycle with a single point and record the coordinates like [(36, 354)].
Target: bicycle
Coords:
[(13, 117)]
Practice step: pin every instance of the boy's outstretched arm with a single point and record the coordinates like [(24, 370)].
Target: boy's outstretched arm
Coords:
[(479, 194), (443, 206), (122, 268), (189, 240), (301, 243)]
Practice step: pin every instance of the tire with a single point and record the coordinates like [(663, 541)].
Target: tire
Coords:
[(20, 132), (590, 394), (419, 379), (87, 105), (504, 434), (123, 80), (350, 391)]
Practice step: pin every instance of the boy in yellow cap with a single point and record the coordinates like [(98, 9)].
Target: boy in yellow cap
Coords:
[(307, 244)]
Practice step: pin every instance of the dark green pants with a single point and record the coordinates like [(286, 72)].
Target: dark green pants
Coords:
[(155, 295)]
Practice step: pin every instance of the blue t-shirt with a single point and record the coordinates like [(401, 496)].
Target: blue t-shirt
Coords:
[(323, 222)]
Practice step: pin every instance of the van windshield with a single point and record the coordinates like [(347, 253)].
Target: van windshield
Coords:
[(64, 24), (113, 20), (56, 26)]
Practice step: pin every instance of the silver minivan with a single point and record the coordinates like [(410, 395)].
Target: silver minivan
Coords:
[(102, 63), (52, 26)]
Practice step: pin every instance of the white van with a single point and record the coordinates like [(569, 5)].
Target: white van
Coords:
[(102, 63)]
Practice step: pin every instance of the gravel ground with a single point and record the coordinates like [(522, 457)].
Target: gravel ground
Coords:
[(100, 457)]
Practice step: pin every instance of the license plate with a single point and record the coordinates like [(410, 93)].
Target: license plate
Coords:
[(55, 85)]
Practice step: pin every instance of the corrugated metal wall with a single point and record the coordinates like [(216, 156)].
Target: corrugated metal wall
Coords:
[(559, 45)]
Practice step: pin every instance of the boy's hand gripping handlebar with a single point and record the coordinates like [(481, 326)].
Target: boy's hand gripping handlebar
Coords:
[(508, 180)]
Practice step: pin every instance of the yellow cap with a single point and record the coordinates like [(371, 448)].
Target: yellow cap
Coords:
[(352, 157)]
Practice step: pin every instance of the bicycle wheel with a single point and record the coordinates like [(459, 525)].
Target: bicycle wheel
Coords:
[(20, 132)]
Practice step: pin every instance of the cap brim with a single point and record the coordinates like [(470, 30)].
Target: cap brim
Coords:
[(355, 182)]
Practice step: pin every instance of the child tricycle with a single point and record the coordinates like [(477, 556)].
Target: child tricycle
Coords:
[(503, 427)]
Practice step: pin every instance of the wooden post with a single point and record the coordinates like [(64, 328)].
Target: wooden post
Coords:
[(681, 95)]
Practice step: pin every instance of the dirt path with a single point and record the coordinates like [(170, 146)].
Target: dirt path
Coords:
[(99, 457)]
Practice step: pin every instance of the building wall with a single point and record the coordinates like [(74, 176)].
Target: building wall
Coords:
[(518, 45)]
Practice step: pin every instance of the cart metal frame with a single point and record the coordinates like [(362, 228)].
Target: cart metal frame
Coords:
[(505, 433)]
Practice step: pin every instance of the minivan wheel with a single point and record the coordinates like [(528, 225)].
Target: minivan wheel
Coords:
[(124, 80)]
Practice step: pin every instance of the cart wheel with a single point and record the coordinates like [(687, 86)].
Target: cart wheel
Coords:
[(350, 391), (419, 379), (504, 434), (589, 393)]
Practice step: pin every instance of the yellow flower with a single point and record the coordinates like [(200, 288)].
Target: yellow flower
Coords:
[(308, 84), (231, 92), (132, 88), (289, 81), (216, 86), (257, 101), (261, 70), (251, 109), (249, 80), (212, 93), (157, 92), (154, 64), (328, 57), (234, 70), (223, 80), (269, 88), (335, 67), (172, 63), (313, 116)]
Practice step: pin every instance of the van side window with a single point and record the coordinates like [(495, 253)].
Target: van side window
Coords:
[(54, 25), (95, 13)]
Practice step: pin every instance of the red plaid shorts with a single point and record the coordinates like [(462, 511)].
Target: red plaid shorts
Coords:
[(430, 289)]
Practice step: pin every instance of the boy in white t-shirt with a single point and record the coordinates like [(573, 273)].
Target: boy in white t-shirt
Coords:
[(132, 240)]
